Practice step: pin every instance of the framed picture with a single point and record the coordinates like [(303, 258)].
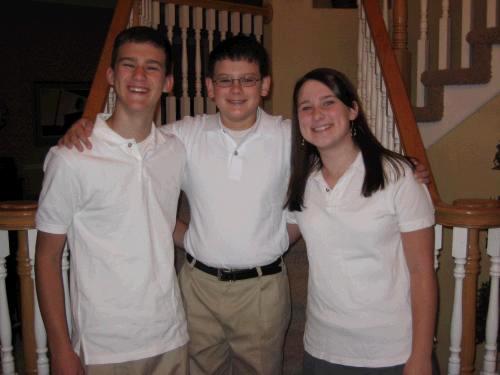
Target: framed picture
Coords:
[(57, 106)]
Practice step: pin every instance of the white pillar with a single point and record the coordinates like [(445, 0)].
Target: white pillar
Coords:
[(7, 357), (490, 355), (459, 252)]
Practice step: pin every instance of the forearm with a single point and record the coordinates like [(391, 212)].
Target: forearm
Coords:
[(423, 305), (293, 233), (50, 294), (179, 233)]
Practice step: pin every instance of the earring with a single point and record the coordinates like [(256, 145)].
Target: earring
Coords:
[(302, 142), (354, 130)]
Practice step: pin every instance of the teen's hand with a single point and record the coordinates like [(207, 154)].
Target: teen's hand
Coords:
[(66, 364), (421, 173), (78, 135)]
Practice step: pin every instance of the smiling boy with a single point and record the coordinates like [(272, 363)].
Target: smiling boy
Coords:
[(116, 206)]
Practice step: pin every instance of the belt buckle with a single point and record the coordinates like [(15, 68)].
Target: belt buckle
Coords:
[(225, 274)]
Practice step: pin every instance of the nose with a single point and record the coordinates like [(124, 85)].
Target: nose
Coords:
[(139, 72), (236, 84), (317, 113)]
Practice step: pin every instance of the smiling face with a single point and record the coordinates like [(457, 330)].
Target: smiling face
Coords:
[(324, 119), (237, 104), (138, 77)]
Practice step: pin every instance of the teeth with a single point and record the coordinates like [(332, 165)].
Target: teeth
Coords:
[(138, 89), (321, 128)]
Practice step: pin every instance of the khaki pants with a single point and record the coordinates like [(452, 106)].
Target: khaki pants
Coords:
[(174, 362), (235, 327)]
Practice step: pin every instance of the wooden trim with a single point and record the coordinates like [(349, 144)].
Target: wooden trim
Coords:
[(266, 11), (403, 114), (100, 88), (17, 215), (469, 216)]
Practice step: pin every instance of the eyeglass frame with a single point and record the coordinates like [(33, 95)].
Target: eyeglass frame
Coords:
[(253, 81)]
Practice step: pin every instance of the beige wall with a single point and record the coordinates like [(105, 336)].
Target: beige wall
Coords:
[(462, 160), (303, 38)]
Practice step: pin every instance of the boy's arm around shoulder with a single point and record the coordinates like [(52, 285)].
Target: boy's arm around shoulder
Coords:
[(50, 292)]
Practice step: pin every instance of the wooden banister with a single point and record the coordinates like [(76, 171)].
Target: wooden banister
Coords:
[(403, 113), (266, 11), (100, 88)]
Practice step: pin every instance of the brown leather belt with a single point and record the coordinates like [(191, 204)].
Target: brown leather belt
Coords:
[(227, 274)]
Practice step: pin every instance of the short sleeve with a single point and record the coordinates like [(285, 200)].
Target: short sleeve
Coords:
[(412, 203), (57, 203), (291, 217)]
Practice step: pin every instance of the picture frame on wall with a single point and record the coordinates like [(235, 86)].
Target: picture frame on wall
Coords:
[(57, 106)]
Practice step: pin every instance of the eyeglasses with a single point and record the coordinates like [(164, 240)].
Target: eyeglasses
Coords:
[(244, 81)]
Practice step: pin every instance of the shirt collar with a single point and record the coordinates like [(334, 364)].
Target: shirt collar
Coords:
[(214, 124), (357, 165), (103, 131)]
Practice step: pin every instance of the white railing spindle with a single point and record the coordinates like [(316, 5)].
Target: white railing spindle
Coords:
[(422, 54), (490, 356), (258, 22), (198, 24), (210, 24), (459, 252), (491, 13), (235, 23), (223, 24), (7, 358), (184, 24), (444, 37), (466, 28)]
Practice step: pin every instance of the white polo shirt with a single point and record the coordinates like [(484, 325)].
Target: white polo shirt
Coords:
[(236, 192), (118, 209), (358, 306)]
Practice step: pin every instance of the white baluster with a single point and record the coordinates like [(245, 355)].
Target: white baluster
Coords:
[(397, 140), (198, 24), (223, 25), (360, 56), (438, 243), (170, 100), (42, 360), (466, 28), (258, 22), (247, 24), (490, 355), (155, 13), (385, 14), (184, 24), (67, 297), (388, 137), (235, 23), (491, 13), (459, 252), (379, 126), (444, 37), (422, 54), (372, 79), (7, 359), (210, 24)]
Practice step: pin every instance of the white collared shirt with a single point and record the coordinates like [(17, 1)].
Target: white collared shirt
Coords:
[(117, 206), (358, 307), (235, 191)]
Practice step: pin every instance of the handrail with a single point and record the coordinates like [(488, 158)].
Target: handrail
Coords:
[(99, 89), (403, 113), (468, 213), (266, 11)]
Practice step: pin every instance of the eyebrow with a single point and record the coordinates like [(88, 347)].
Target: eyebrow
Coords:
[(133, 59), (330, 96)]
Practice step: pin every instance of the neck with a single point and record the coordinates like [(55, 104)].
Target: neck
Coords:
[(131, 125), (336, 161)]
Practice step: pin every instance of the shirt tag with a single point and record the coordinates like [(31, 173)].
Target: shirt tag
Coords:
[(235, 169)]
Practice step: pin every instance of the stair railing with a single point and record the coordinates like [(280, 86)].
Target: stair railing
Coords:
[(382, 89)]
